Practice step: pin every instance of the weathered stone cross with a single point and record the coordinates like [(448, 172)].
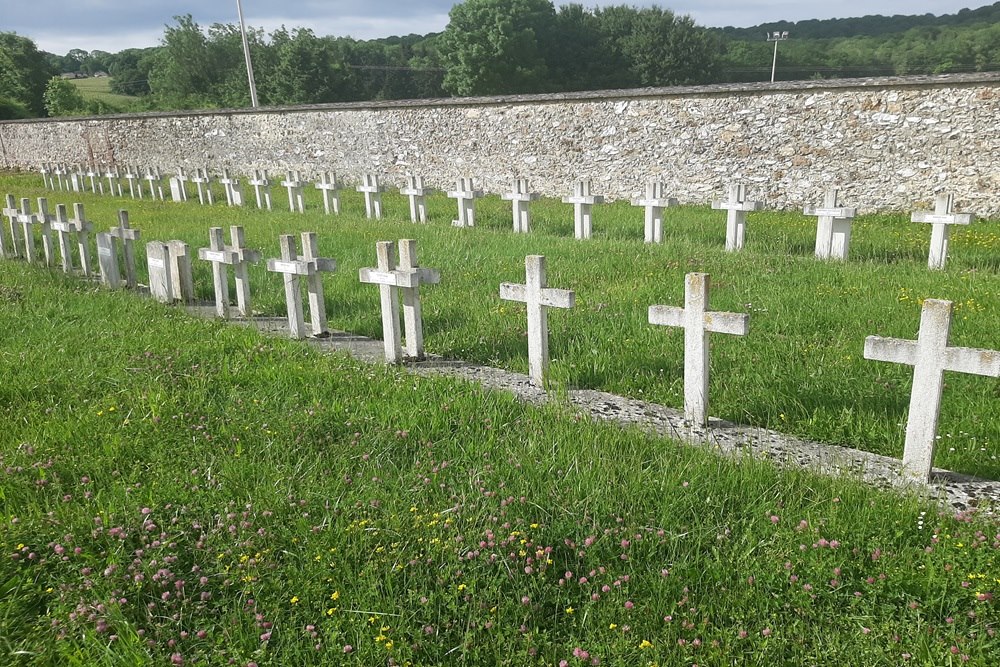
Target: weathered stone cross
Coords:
[(27, 219), (47, 180), (221, 256), (59, 171), (736, 214), (155, 180), (417, 193), (294, 184), (113, 174), (330, 189), (833, 229), (203, 181), (127, 236), (11, 212), (654, 202), (930, 357), (538, 299), (519, 198), (94, 176), (132, 175), (697, 323), (406, 277), (234, 192), (178, 186), (465, 194), (583, 203), (309, 264), (261, 189), (78, 225), (373, 195), (941, 220)]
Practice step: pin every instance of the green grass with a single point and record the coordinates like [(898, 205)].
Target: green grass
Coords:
[(180, 491), (800, 370), (99, 88)]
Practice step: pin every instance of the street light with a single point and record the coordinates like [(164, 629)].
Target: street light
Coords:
[(771, 37), (246, 54)]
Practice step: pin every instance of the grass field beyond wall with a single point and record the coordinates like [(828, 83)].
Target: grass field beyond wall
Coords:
[(182, 492), (800, 370)]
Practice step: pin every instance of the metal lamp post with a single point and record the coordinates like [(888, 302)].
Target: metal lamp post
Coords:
[(771, 37), (246, 54)]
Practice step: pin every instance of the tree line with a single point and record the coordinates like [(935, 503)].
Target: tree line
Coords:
[(490, 47)]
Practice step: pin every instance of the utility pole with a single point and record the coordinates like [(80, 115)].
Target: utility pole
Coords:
[(771, 37), (246, 54)]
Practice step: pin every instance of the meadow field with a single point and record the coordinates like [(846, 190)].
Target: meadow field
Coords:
[(99, 88), (180, 491)]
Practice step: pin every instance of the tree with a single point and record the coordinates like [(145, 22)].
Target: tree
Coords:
[(62, 98), (495, 46), (183, 74), (24, 72), (660, 48)]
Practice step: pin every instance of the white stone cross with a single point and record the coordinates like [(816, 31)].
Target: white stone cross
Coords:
[(63, 228), (203, 181), (221, 256), (941, 220), (107, 260), (132, 176), (155, 180), (406, 277), (833, 229), (465, 194), (12, 213), (309, 264), (181, 273), (127, 236), (519, 197), (736, 214), (158, 264), (261, 189), (330, 189), (47, 180), (294, 184), (94, 176), (178, 186), (59, 171), (654, 202), (417, 193), (27, 219), (583, 202), (373, 195), (930, 356), (113, 175), (697, 322), (538, 299), (76, 179), (44, 219), (82, 227), (234, 192)]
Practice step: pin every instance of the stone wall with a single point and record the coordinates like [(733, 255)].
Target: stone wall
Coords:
[(889, 143)]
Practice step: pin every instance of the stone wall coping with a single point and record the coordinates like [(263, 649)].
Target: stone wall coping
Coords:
[(715, 90)]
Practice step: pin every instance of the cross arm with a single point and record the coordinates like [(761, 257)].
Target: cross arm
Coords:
[(939, 218), (896, 350), (837, 212), (667, 316), (972, 360), (736, 324), (298, 268), (376, 277), (513, 292)]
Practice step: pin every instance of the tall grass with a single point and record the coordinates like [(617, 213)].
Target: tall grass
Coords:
[(178, 491)]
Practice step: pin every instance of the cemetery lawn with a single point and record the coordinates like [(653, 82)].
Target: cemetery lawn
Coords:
[(800, 370), (180, 491), (99, 88)]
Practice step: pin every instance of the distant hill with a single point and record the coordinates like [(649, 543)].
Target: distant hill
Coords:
[(865, 26)]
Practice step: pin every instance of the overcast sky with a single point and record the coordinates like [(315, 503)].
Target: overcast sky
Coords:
[(112, 25)]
